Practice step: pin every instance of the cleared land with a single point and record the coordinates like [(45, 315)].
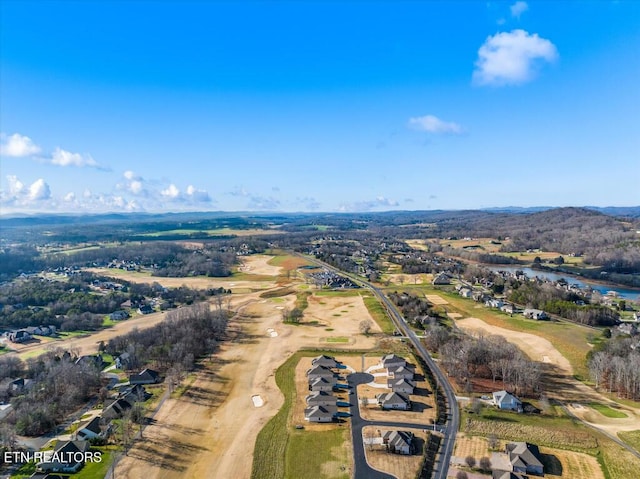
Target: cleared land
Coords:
[(218, 428)]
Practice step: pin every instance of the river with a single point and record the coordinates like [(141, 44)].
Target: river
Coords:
[(603, 288)]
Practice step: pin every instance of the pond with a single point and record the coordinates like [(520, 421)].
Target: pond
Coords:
[(603, 288)]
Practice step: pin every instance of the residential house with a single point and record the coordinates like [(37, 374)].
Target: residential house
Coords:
[(391, 361), (325, 361), (506, 400), (320, 372), (535, 314), (91, 360), (123, 361), (17, 386), (133, 394), (321, 398), (115, 409), (91, 430), (320, 413), (398, 442), (524, 458), (465, 292), (508, 308), (494, 303), (441, 279), (322, 384), (393, 400), (67, 452), (401, 386), (119, 315), (146, 376), (402, 372), (145, 309), (19, 336)]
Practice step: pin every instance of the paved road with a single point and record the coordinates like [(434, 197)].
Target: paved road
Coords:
[(450, 429)]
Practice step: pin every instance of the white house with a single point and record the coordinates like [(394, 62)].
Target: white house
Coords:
[(506, 400)]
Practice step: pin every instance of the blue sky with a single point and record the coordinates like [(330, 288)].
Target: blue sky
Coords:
[(317, 106)]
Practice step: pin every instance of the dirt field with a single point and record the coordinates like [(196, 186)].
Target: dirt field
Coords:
[(475, 446), (258, 264), (400, 466), (436, 299), (559, 381), (211, 430), (200, 282)]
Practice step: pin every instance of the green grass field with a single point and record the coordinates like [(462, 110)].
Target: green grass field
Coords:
[(632, 438), (332, 463), (378, 313), (338, 339), (607, 411), (279, 444)]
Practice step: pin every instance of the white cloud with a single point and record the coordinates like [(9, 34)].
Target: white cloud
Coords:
[(511, 58), (518, 8), (70, 197), (130, 175), (16, 187), (62, 157), (433, 124), (18, 146), (171, 192), (380, 203), (39, 190), (86, 193), (195, 194)]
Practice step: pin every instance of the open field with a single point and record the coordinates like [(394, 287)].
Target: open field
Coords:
[(570, 465), (398, 465), (215, 420), (632, 438), (240, 281)]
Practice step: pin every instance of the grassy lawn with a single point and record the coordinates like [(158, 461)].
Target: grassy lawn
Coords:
[(332, 463), (93, 470), (275, 450), (378, 313), (607, 411), (632, 438), (338, 339), (560, 431)]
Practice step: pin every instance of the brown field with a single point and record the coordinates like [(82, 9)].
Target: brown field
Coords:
[(570, 465), (214, 424), (436, 299), (476, 446), (398, 465), (417, 244), (484, 244), (259, 264), (198, 282), (408, 279)]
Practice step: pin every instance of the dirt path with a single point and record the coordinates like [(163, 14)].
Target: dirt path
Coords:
[(211, 430), (559, 381)]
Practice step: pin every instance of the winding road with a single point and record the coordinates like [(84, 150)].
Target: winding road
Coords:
[(449, 429)]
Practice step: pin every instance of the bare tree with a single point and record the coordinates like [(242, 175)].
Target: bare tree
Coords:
[(471, 461), (485, 463), (462, 475), (365, 326)]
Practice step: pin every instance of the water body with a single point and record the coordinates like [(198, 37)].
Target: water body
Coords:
[(623, 293)]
